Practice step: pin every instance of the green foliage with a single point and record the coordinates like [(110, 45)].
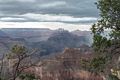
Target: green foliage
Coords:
[(27, 76), (17, 51), (100, 43), (110, 15), (106, 46), (112, 77), (110, 19), (18, 60), (85, 64), (98, 64)]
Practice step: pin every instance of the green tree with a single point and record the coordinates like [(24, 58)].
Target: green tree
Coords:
[(98, 64), (107, 46), (109, 20), (20, 59)]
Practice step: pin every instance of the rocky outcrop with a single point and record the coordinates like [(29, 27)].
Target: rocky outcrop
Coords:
[(65, 66)]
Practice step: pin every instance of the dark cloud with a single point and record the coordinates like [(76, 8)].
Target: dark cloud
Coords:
[(75, 8)]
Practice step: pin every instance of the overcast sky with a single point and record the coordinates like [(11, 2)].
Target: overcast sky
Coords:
[(68, 14)]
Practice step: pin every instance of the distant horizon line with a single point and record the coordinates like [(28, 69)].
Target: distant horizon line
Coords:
[(46, 29), (50, 25)]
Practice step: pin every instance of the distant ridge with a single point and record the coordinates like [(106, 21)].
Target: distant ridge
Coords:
[(3, 34)]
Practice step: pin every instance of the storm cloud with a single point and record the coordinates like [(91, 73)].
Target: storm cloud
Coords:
[(66, 11)]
